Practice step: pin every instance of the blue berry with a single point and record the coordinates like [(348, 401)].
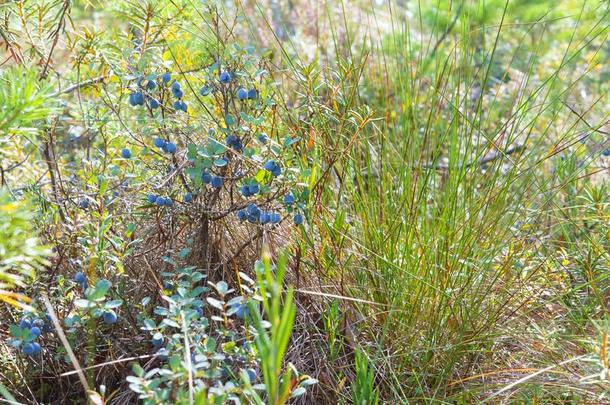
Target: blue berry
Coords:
[(225, 77), (217, 181), (180, 106), (154, 103), (35, 331), (270, 165), (137, 98), (298, 219), (177, 92), (242, 93), (170, 147), (264, 217), (252, 209), (25, 323), (176, 86), (36, 347), (206, 177), (276, 217), (152, 198), (242, 311), (28, 349), (242, 215), (245, 190), (168, 202), (80, 278), (109, 317), (188, 197), (84, 203), (159, 143), (276, 171), (606, 152), (126, 153), (205, 90), (252, 94), (263, 138), (160, 201), (251, 374), (289, 199), (157, 340), (151, 85), (166, 77), (254, 188)]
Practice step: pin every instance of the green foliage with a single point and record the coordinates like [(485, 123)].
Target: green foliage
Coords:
[(21, 252), (24, 101), (363, 387), (281, 382)]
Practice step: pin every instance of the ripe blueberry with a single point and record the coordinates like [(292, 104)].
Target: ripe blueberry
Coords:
[(242, 93), (298, 219), (264, 217), (289, 199), (254, 188), (151, 85), (80, 277), (168, 202), (154, 103), (276, 217), (263, 138), (225, 77), (205, 90), (35, 331), (245, 190), (170, 147), (84, 203), (251, 374), (188, 197), (242, 215), (109, 317), (166, 77), (126, 153), (606, 152), (25, 323), (159, 143), (28, 349), (180, 105), (206, 177), (137, 98), (217, 181), (160, 201), (252, 94), (157, 340), (270, 165), (152, 198)]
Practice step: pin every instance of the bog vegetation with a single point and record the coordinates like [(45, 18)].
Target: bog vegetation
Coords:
[(271, 202)]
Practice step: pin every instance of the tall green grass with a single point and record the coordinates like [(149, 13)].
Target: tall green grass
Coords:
[(453, 247)]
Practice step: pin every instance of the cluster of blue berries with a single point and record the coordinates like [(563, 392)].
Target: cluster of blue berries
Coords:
[(213, 180), (254, 214), (160, 201), (244, 94), (179, 105), (28, 332), (273, 167), (234, 142), (140, 98), (250, 189), (166, 146)]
